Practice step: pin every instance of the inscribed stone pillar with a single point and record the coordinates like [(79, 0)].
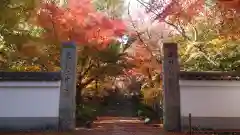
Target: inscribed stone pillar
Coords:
[(171, 109), (67, 105)]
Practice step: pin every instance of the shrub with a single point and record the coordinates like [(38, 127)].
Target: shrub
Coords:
[(86, 113)]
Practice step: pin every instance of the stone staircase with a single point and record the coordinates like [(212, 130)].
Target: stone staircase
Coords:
[(122, 108), (128, 123), (121, 126)]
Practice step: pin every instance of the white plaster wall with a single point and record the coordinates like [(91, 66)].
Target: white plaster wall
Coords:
[(210, 98), (29, 99)]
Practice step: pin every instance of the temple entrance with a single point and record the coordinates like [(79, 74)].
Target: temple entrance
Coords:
[(116, 103)]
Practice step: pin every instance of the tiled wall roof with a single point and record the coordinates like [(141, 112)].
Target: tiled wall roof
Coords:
[(30, 76), (185, 75)]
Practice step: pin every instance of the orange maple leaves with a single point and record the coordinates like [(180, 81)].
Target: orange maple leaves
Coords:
[(143, 61), (179, 8), (230, 4), (187, 9), (79, 22)]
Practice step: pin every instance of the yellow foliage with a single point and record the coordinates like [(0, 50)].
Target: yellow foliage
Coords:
[(217, 41), (31, 49), (151, 96), (33, 68)]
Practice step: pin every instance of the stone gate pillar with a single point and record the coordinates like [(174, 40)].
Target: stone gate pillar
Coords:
[(67, 105), (171, 102)]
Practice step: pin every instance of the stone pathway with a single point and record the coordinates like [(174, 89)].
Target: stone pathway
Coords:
[(121, 126), (109, 126), (113, 126)]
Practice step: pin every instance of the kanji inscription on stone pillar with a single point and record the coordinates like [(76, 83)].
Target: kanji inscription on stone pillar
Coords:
[(67, 105), (171, 109)]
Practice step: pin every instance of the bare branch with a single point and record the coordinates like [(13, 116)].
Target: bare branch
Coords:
[(138, 33)]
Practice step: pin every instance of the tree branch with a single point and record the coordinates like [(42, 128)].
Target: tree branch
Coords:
[(84, 84), (84, 73), (138, 34)]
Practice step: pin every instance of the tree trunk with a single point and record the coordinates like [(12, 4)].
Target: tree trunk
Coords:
[(80, 86), (78, 95)]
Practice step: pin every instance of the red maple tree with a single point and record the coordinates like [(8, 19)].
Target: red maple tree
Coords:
[(145, 64), (186, 9), (79, 22)]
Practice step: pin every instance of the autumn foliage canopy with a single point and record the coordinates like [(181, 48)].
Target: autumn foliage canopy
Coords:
[(79, 22), (188, 8), (224, 14)]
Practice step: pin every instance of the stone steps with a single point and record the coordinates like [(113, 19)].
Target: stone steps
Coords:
[(128, 123)]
